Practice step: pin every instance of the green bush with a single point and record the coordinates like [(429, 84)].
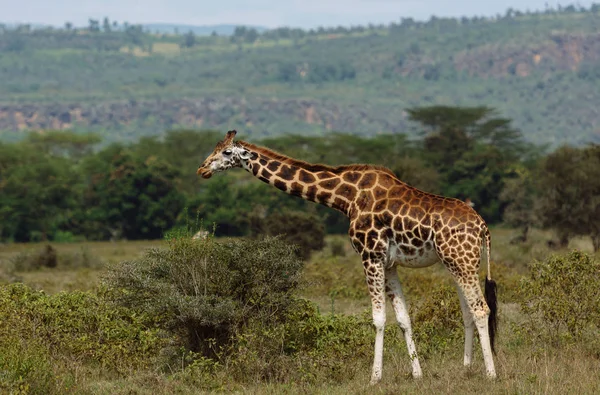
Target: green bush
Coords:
[(302, 229), (25, 365), (38, 331), (560, 297), (306, 346), (204, 291), (437, 321)]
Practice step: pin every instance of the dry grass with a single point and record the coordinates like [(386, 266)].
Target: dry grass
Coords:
[(71, 277), (519, 372), (109, 251)]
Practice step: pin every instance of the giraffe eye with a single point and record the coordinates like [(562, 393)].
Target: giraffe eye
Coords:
[(227, 152)]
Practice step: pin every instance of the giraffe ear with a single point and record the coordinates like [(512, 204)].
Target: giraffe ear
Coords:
[(245, 154), (229, 136)]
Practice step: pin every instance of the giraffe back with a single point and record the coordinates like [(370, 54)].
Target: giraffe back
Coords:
[(414, 227)]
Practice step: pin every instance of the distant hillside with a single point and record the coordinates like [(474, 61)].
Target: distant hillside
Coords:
[(540, 69), (222, 30)]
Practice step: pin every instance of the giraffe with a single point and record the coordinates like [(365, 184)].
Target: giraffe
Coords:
[(391, 224)]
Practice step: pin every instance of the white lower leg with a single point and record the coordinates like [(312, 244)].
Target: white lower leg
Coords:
[(412, 352), (469, 328), (482, 327), (395, 293), (379, 322)]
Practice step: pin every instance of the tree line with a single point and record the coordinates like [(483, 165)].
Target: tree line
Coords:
[(63, 186), (110, 35)]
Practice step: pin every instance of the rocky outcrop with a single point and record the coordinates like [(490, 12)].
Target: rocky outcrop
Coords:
[(201, 113), (561, 52)]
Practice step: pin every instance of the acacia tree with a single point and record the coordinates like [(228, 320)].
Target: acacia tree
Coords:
[(473, 150), (569, 199)]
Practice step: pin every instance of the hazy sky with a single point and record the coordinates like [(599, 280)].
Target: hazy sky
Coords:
[(270, 13)]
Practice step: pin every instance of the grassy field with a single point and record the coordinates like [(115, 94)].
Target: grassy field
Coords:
[(333, 279)]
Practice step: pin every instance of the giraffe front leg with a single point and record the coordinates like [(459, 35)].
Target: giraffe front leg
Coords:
[(375, 280), (394, 291), (469, 328)]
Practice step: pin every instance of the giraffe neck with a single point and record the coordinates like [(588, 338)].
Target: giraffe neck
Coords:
[(334, 187)]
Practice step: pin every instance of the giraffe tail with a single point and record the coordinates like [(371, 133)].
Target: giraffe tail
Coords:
[(490, 293)]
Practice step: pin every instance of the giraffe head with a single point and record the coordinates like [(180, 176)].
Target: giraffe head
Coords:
[(227, 154)]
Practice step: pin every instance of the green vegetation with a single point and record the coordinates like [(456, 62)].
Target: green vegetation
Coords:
[(562, 305), (207, 290), (43, 337), (102, 223), (571, 207), (260, 324), (539, 69), (306, 231), (64, 186)]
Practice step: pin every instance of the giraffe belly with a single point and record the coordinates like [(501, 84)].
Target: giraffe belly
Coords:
[(410, 256)]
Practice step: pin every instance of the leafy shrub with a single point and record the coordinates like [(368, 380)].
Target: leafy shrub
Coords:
[(25, 366), (560, 297), (302, 229), (437, 321), (37, 331), (204, 291), (306, 346)]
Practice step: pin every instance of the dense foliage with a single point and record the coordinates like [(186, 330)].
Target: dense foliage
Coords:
[(561, 297), (569, 198), (62, 186), (39, 332), (206, 289)]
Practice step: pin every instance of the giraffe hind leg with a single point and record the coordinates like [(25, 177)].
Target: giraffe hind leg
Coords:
[(480, 312), (463, 264), (394, 292)]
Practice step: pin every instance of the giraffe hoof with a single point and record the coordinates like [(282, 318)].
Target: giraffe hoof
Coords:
[(375, 380), (491, 375)]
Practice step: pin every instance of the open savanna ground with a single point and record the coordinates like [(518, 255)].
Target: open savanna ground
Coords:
[(79, 336)]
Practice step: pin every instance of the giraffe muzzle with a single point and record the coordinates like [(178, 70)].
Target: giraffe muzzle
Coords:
[(204, 172)]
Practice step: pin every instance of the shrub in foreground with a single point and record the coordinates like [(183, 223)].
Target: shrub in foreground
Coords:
[(38, 331), (304, 347), (437, 321), (560, 297), (204, 291)]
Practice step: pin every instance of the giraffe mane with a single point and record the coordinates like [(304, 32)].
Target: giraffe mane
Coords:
[(312, 167)]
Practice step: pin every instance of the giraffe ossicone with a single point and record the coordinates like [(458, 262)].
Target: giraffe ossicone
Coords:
[(391, 223)]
